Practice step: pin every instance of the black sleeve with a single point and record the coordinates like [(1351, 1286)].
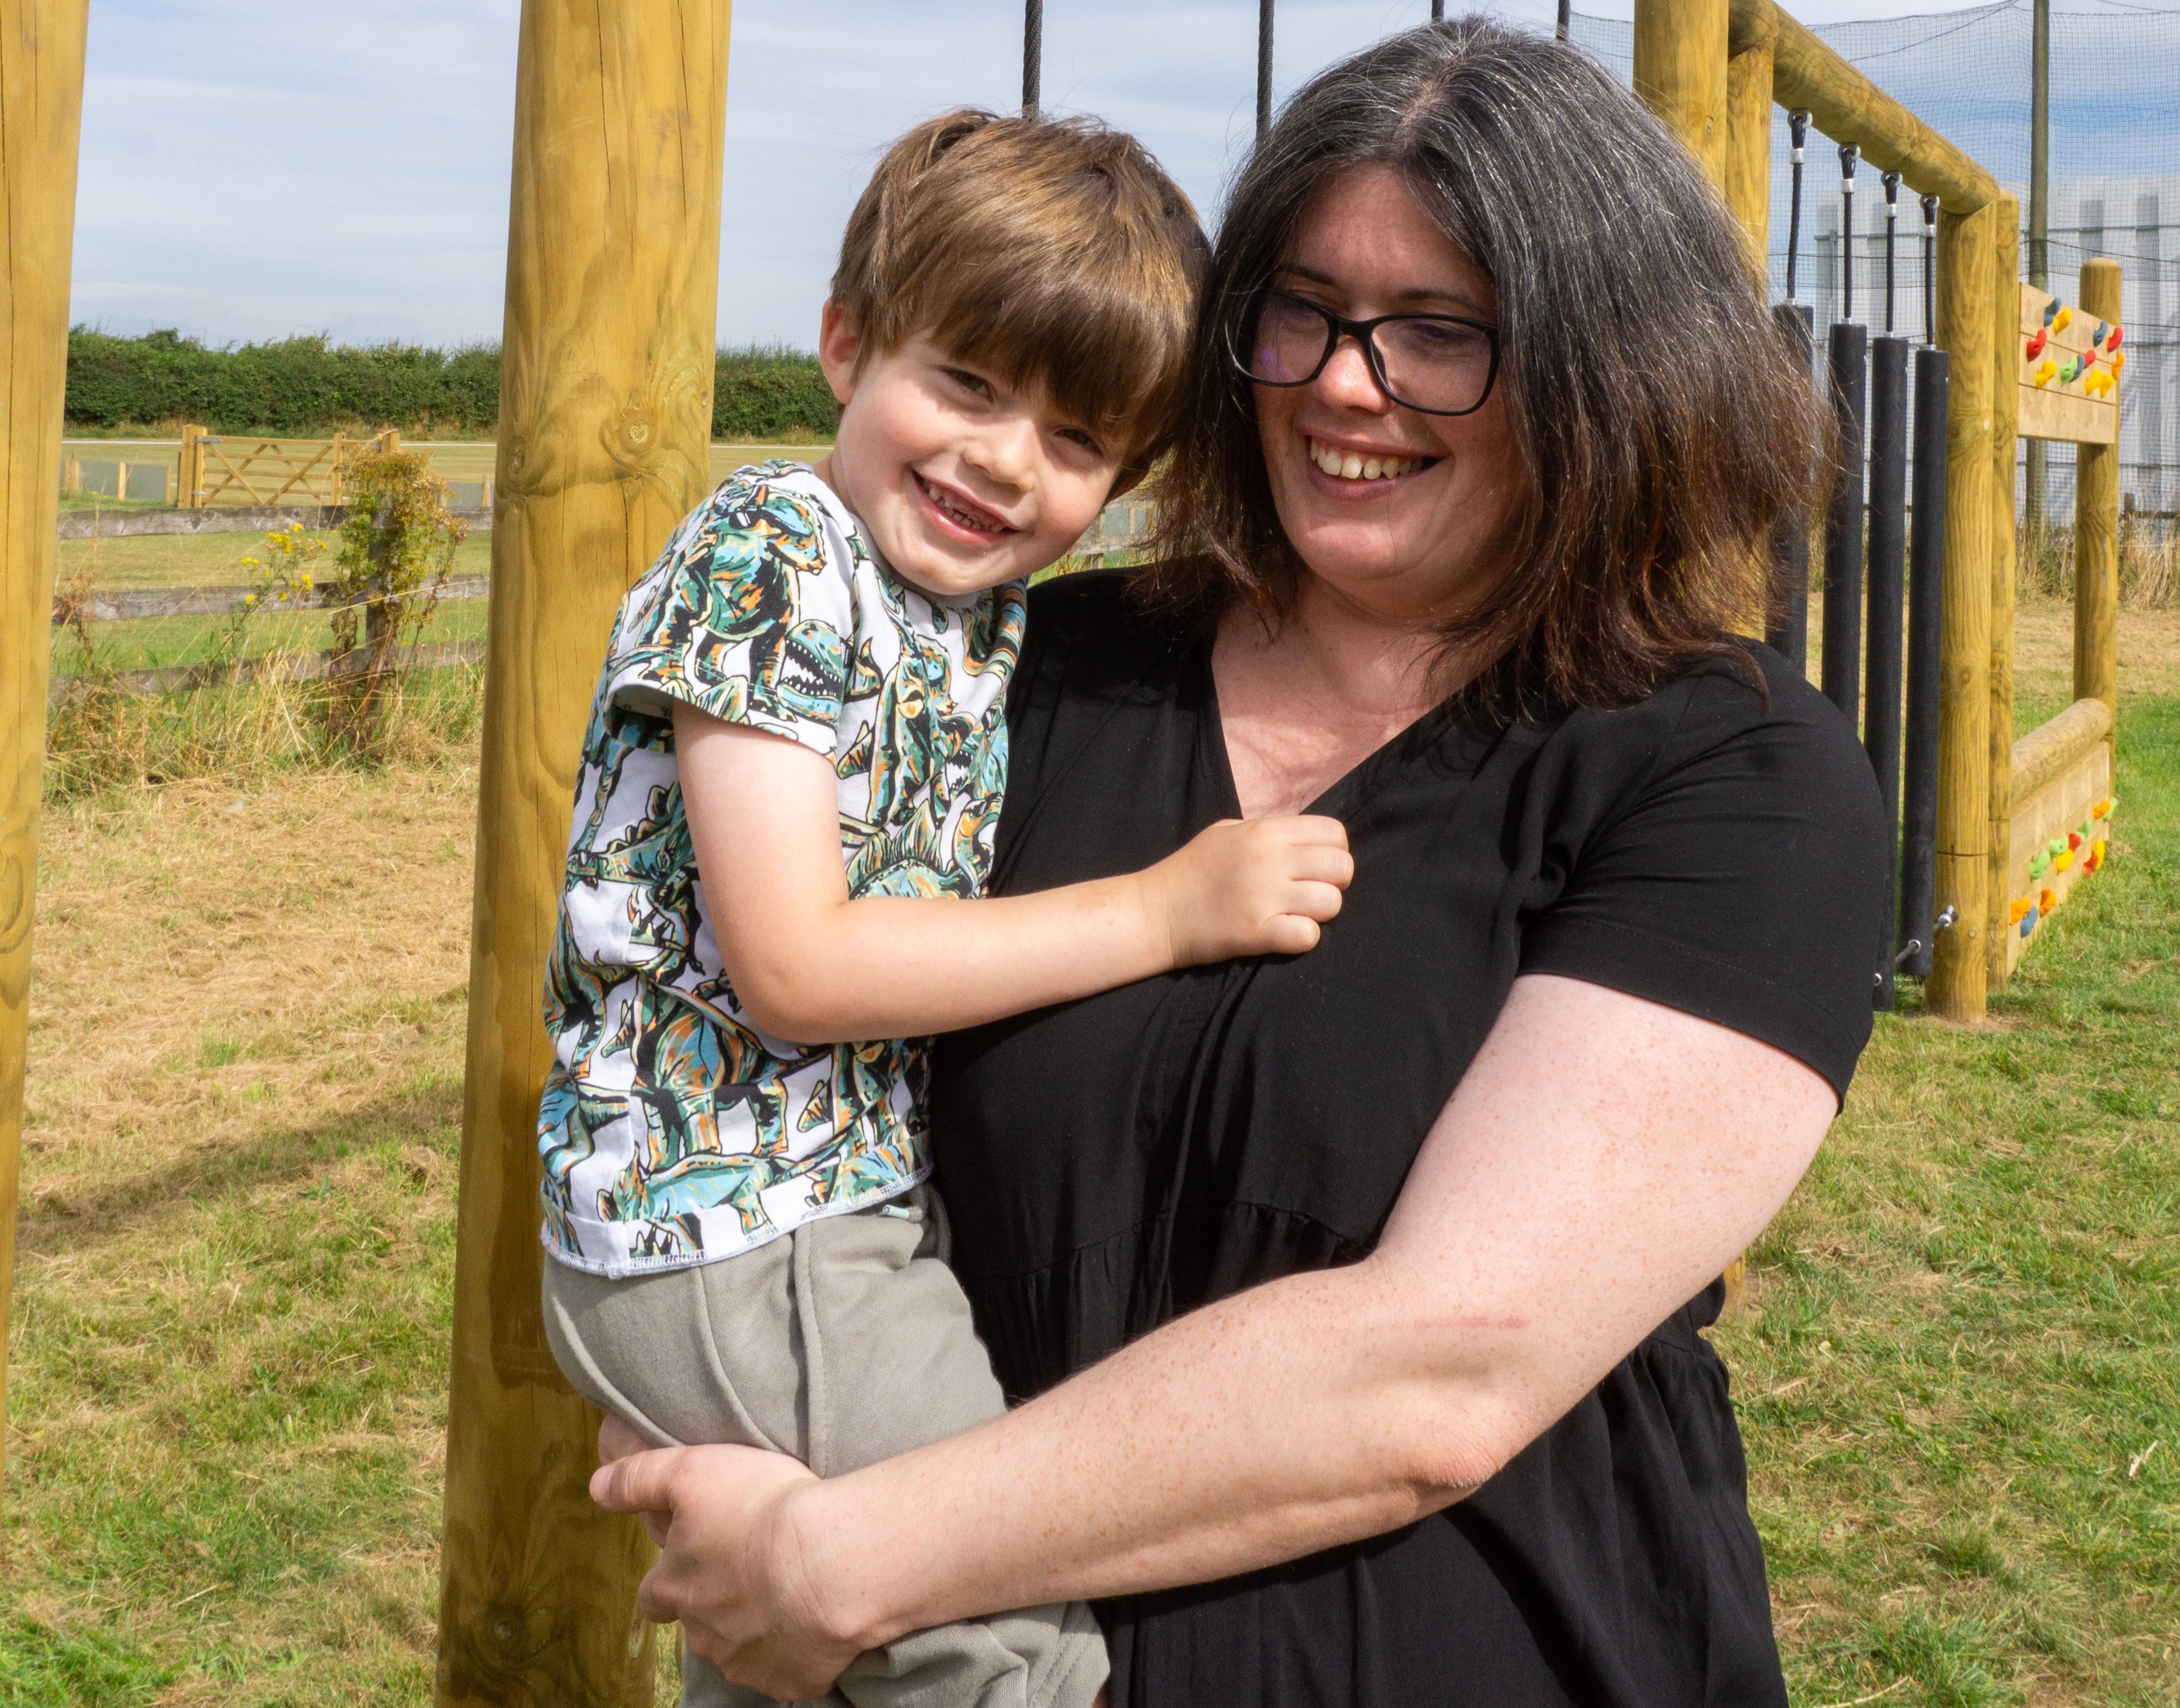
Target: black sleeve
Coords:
[(1742, 878)]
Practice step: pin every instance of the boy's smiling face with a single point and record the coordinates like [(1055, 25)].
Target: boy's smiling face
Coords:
[(964, 482)]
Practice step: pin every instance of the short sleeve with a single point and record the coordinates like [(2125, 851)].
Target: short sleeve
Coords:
[(1743, 879), (748, 615)]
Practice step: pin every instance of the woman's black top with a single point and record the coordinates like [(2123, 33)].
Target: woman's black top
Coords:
[(1114, 1161)]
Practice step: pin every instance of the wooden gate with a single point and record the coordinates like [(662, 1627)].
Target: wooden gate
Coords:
[(216, 469)]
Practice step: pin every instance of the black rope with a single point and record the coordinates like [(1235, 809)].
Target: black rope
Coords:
[(1930, 269), (1797, 126), (1264, 68), (1438, 11), (1848, 151), (1891, 220), (1032, 55)]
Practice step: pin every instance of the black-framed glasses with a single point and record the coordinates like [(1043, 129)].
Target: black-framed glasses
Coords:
[(1435, 364)]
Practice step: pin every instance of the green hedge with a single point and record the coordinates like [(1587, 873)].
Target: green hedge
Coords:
[(305, 387)]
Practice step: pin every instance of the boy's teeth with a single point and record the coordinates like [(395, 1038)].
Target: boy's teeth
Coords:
[(1351, 466)]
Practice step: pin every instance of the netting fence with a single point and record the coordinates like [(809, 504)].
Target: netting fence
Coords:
[(2114, 178)]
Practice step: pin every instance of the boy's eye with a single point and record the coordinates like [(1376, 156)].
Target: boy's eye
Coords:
[(1087, 440), (969, 381)]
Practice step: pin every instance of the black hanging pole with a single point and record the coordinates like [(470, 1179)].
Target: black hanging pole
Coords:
[(1848, 152), (1929, 277), (1888, 518), (1848, 363), (1789, 633), (1438, 11), (1926, 572), (1567, 18), (1264, 68), (1891, 226), (1797, 126), (1032, 55)]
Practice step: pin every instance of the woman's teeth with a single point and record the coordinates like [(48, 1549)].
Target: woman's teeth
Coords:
[(1348, 465)]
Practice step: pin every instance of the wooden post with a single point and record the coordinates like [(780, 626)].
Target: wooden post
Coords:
[(2096, 532), (41, 116), (1748, 151), (1680, 73), (188, 469), (1967, 245), (2004, 396), (605, 416)]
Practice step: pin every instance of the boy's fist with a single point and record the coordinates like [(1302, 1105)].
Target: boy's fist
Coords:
[(1252, 886)]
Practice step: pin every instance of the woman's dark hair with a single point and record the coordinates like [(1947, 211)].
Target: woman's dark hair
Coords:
[(1664, 425)]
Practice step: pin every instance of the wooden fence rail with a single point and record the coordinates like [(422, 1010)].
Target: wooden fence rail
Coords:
[(161, 680), (221, 469), (119, 605)]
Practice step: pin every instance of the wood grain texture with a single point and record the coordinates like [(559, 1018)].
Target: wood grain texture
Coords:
[(1848, 108), (1680, 74), (42, 43), (2006, 303), (1966, 249), (2056, 743), (605, 416), (2096, 528), (1748, 107)]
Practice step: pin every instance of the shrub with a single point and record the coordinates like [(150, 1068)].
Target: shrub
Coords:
[(307, 387)]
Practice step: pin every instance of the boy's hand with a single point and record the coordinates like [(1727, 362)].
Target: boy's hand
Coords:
[(1251, 886)]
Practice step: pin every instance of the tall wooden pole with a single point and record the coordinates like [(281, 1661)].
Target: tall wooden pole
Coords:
[(604, 437), (1966, 249), (2005, 398), (1747, 161), (1680, 72), (2096, 529), (41, 119)]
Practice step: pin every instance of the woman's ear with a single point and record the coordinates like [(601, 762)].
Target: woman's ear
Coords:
[(839, 348)]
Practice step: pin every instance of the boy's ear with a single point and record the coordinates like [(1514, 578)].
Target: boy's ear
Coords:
[(839, 347)]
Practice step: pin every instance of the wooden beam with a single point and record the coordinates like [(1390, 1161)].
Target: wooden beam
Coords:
[(1847, 107), (604, 442), (1680, 73), (1748, 152), (2005, 344), (1967, 246), (2096, 528), (42, 44), (2055, 744)]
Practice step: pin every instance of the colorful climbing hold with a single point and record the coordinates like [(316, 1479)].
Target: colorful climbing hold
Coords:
[(2018, 911), (2102, 333), (2101, 810), (2097, 851), (2036, 343), (2060, 862), (2118, 360), (2046, 900), (2050, 308), (2044, 370), (2074, 367), (2029, 921), (2113, 342), (2039, 865), (2055, 846), (2074, 840), (2062, 319)]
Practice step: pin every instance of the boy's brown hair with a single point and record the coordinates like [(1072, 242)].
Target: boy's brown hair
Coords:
[(1054, 251)]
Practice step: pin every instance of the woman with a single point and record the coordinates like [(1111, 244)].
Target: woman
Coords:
[(1359, 1294)]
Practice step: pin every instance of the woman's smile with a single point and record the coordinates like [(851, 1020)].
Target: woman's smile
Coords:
[(1352, 469)]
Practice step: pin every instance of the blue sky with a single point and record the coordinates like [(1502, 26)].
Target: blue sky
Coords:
[(253, 168)]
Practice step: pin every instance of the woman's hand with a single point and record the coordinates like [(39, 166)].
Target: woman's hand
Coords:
[(727, 1562)]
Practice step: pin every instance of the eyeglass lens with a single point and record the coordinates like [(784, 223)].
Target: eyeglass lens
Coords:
[(1427, 363)]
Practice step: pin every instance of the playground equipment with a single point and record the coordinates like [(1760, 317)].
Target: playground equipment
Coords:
[(605, 408)]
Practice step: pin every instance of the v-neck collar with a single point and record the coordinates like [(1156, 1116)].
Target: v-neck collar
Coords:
[(1347, 791)]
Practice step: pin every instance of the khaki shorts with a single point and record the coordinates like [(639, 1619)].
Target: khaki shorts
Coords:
[(845, 1341)]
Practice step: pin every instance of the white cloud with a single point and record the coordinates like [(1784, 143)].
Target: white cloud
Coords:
[(253, 168)]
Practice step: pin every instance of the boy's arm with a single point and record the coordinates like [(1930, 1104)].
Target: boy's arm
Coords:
[(810, 964)]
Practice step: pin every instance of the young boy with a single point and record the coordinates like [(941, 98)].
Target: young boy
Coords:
[(783, 826)]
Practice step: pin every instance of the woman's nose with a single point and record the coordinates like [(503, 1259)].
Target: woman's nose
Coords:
[(1347, 382)]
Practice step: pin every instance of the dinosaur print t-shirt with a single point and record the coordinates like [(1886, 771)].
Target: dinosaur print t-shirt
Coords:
[(674, 1130)]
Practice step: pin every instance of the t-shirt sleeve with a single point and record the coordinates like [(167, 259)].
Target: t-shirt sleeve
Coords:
[(749, 615), (1742, 878)]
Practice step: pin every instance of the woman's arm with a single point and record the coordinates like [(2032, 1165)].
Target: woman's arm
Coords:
[(1601, 1161), (811, 964)]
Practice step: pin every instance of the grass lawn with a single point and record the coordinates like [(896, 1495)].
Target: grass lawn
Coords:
[(205, 560), (1956, 1365), (139, 642)]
